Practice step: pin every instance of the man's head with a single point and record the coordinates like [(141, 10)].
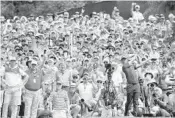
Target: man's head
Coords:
[(141, 82), (137, 8), (149, 75), (72, 88), (34, 64), (61, 67), (68, 62), (99, 83), (124, 60), (157, 92), (75, 78), (12, 60), (50, 62), (58, 85), (152, 84), (85, 77)]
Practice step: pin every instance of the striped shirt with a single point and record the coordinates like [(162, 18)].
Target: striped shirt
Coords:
[(58, 100)]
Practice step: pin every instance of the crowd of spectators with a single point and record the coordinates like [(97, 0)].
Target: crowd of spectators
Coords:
[(65, 66)]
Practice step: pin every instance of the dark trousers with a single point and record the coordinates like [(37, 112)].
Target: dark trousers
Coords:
[(132, 97)]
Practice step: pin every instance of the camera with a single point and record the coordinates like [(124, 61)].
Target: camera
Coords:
[(109, 69), (154, 95), (152, 85), (82, 100)]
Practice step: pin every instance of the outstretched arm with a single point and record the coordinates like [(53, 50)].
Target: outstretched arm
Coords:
[(132, 8)]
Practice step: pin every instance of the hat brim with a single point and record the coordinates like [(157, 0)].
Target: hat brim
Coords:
[(58, 82), (12, 59)]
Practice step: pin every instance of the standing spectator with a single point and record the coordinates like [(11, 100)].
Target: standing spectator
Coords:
[(2, 85), (33, 91), (136, 14), (15, 78)]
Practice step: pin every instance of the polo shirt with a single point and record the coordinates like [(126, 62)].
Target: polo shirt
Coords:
[(34, 82)]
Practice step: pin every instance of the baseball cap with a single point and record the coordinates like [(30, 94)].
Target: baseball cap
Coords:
[(86, 59), (96, 57), (12, 58), (85, 73), (50, 60), (49, 14), (72, 85), (152, 81), (137, 6), (34, 62), (68, 60), (59, 82)]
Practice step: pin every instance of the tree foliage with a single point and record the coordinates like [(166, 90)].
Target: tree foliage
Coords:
[(20, 8), (160, 7)]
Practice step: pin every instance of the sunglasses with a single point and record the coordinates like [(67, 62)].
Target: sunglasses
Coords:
[(75, 77), (46, 84), (58, 83), (99, 82), (105, 62)]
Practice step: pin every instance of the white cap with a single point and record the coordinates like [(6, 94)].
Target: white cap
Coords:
[(72, 85), (137, 6), (12, 58), (151, 81), (34, 62), (68, 60), (171, 15)]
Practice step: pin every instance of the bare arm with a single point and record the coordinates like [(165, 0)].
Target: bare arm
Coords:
[(132, 8), (67, 101), (142, 63)]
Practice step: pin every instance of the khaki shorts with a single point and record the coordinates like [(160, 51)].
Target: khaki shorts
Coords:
[(12, 97)]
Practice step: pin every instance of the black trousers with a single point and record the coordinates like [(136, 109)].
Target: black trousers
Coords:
[(132, 97)]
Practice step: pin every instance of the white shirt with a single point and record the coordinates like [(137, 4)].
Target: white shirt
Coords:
[(137, 16), (155, 55), (65, 77), (49, 74), (168, 80), (14, 78), (117, 76), (85, 91)]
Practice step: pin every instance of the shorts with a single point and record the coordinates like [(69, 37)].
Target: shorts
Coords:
[(12, 97), (59, 114)]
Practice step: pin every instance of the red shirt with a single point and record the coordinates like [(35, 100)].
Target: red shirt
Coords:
[(35, 80)]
